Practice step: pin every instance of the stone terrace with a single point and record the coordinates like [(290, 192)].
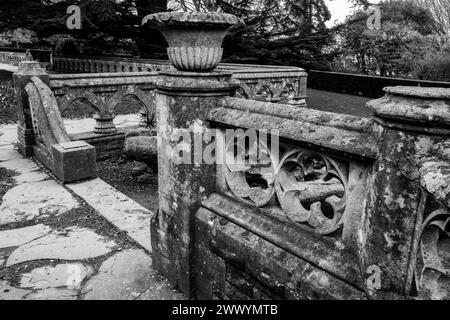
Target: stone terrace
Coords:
[(55, 245)]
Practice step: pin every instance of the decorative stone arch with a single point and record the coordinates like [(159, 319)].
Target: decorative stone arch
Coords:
[(240, 93), (131, 91), (244, 91), (70, 97), (147, 103), (288, 92), (261, 89)]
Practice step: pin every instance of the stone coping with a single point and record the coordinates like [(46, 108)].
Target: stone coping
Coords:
[(180, 18), (420, 92), (222, 66), (101, 75), (343, 121), (323, 137)]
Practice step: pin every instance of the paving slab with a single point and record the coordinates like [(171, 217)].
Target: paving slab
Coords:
[(19, 237), (8, 292), (28, 171), (53, 294), (69, 275), (126, 276), (21, 165), (117, 208), (9, 153), (8, 133), (28, 201), (8, 67), (71, 244)]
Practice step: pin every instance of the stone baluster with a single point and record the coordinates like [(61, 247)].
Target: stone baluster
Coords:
[(409, 121), (25, 132), (104, 123)]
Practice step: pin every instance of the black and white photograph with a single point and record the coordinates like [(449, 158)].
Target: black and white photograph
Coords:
[(217, 158)]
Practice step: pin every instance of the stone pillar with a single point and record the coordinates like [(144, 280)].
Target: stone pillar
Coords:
[(182, 101), (409, 120), (25, 132)]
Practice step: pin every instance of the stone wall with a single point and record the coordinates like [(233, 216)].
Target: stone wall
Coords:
[(351, 208)]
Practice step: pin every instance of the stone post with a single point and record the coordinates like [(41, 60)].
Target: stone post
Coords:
[(21, 78), (409, 120), (183, 100)]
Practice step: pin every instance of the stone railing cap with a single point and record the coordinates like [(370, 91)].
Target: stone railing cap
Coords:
[(30, 68), (179, 18), (416, 109), (420, 92)]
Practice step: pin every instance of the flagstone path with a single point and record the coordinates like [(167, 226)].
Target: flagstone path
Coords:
[(67, 242)]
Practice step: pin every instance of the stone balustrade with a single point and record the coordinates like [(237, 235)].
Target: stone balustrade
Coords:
[(41, 131), (104, 65), (104, 92), (344, 208), (330, 206), (265, 83), (13, 58)]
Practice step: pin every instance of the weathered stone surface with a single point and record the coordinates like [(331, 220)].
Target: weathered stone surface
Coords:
[(34, 176), (418, 109), (124, 213), (8, 153), (27, 170), (62, 275), (8, 292), (31, 200), (139, 168), (70, 244), (19, 237), (26, 135), (141, 148), (8, 134), (161, 289), (183, 187), (435, 178), (347, 141), (125, 276), (195, 39), (21, 165), (140, 132), (74, 161), (53, 294), (145, 178)]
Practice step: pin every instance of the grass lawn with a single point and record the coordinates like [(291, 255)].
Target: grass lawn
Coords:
[(338, 102)]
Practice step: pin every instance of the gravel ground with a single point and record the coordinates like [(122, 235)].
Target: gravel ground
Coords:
[(8, 113)]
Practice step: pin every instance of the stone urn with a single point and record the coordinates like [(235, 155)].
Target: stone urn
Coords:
[(195, 38)]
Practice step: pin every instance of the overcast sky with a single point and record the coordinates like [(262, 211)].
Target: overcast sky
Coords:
[(340, 9)]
